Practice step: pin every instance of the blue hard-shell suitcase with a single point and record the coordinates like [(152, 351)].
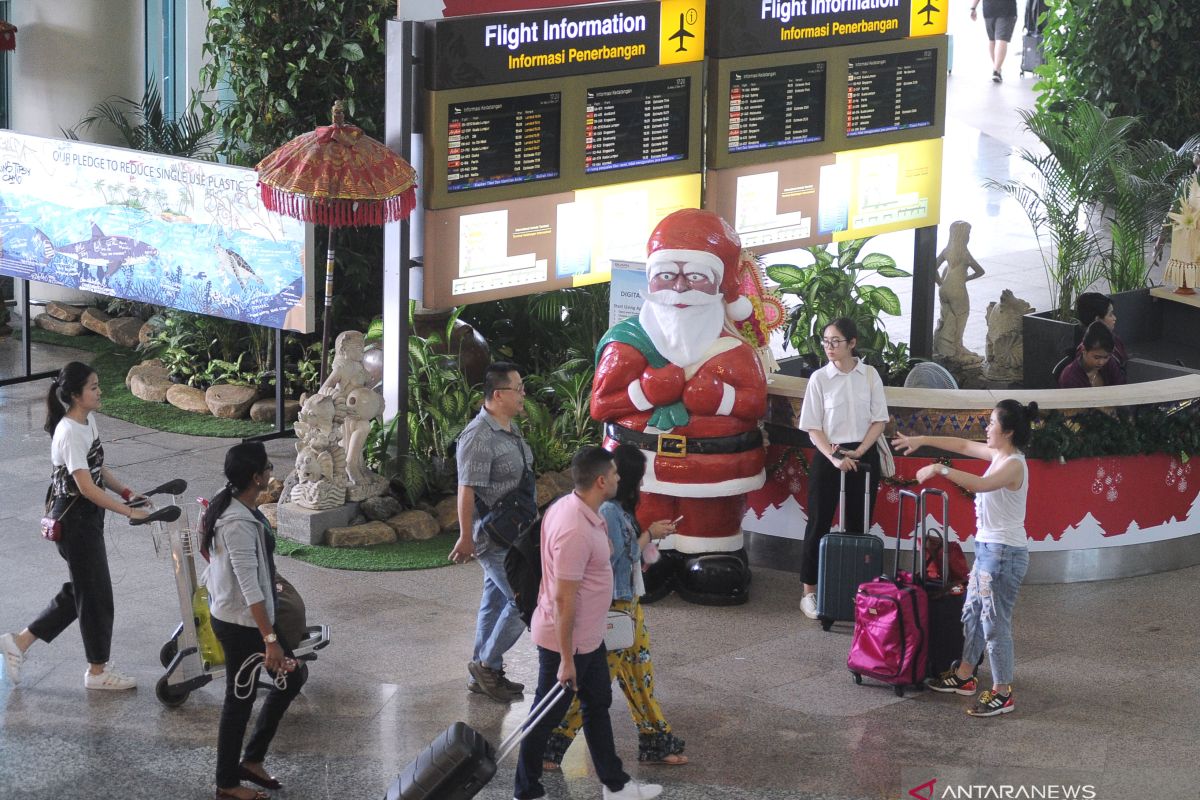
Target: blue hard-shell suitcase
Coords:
[(847, 560)]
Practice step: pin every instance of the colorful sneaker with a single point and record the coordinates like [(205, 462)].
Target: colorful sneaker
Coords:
[(13, 658), (991, 704), (109, 680), (950, 683), (808, 605)]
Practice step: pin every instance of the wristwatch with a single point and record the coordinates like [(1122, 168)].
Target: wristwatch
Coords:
[(944, 470), (270, 638)]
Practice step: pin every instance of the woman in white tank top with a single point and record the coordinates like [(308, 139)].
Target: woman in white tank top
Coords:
[(1001, 550)]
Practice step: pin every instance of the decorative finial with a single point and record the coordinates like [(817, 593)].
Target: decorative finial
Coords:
[(339, 115)]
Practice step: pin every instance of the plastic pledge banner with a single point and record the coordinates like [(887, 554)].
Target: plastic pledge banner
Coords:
[(191, 235)]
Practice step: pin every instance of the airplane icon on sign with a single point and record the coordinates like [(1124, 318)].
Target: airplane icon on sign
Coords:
[(929, 10), (681, 34)]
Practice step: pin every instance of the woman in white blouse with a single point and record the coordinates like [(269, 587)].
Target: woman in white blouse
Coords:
[(844, 413)]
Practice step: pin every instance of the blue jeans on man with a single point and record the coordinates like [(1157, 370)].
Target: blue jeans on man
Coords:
[(498, 625), (987, 610), (594, 686)]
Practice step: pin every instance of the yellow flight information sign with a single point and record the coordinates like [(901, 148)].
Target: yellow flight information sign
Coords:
[(880, 189), (928, 17), (681, 31)]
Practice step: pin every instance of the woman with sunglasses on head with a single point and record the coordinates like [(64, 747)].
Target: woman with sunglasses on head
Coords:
[(77, 498), (844, 412), (241, 585)]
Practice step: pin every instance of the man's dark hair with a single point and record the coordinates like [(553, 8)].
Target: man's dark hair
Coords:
[(496, 377), (588, 464)]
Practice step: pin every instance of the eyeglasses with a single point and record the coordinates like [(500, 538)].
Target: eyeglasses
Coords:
[(519, 388), (833, 342)]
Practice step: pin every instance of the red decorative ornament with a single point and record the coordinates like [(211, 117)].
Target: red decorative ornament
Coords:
[(8, 36)]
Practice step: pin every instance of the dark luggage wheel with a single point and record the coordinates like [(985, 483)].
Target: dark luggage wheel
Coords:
[(166, 653), (826, 623), (899, 691), (857, 678), (168, 695)]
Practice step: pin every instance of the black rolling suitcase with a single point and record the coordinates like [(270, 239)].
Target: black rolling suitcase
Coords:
[(847, 560), (460, 762), (1032, 47), (945, 602)]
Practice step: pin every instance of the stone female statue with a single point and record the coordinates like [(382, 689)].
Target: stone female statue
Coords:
[(954, 300)]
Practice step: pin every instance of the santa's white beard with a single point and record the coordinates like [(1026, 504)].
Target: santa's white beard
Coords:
[(682, 335)]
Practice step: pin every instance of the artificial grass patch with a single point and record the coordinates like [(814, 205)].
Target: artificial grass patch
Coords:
[(112, 363), (377, 558)]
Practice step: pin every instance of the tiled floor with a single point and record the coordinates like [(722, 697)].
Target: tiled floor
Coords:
[(1106, 691)]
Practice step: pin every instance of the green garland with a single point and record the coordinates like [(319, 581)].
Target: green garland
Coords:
[(1142, 430)]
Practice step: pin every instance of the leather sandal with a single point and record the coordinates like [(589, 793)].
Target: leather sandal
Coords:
[(669, 760), (265, 781), (228, 794)]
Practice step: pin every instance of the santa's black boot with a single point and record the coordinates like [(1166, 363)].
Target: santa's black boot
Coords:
[(715, 579), (662, 576)]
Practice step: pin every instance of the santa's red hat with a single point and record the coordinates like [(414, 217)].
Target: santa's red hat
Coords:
[(695, 230)]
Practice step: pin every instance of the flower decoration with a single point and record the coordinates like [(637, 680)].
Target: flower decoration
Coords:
[(1182, 270)]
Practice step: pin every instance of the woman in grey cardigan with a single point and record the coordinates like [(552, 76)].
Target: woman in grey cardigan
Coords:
[(241, 588)]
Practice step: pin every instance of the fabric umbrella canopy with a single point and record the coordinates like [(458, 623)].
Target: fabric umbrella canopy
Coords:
[(339, 177)]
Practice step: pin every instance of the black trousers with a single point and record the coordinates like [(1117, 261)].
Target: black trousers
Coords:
[(240, 642), (594, 684), (824, 482), (88, 595)]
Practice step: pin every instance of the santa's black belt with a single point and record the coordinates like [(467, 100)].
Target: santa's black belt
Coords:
[(674, 445)]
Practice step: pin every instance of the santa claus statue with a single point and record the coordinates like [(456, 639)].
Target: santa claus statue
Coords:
[(681, 382)]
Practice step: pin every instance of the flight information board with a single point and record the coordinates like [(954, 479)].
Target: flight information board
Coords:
[(503, 141), (891, 92), (636, 124), (776, 107)]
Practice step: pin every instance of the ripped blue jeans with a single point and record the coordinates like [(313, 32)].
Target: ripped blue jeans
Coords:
[(987, 611)]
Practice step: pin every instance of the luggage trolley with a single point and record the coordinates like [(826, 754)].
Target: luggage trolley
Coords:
[(191, 657)]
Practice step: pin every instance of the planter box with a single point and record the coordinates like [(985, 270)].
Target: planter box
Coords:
[(1044, 342)]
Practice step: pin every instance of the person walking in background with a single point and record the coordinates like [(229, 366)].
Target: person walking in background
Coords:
[(631, 667), (1094, 365), (1001, 549), (77, 498), (568, 628), (999, 20), (844, 412), (493, 460), (241, 586)]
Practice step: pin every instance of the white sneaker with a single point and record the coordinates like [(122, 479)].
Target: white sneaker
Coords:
[(109, 680), (808, 605), (13, 658), (634, 791)]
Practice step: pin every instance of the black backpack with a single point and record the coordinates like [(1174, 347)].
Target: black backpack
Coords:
[(523, 567)]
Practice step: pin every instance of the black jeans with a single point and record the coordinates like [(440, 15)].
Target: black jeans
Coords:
[(88, 595), (594, 686), (824, 482), (240, 642)]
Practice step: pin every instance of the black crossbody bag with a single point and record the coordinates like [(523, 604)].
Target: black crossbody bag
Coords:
[(513, 512)]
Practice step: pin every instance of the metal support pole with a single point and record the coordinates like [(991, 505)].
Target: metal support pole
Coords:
[(280, 431), (924, 270)]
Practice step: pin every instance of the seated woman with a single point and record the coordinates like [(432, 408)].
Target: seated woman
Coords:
[(1093, 306), (1094, 365)]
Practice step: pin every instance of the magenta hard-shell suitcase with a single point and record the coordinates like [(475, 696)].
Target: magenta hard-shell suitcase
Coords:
[(891, 623)]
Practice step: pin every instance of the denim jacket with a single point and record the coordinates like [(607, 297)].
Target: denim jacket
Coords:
[(626, 556)]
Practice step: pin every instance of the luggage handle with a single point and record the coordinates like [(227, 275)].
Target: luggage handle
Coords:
[(539, 710), (866, 469), (900, 529), (942, 532)]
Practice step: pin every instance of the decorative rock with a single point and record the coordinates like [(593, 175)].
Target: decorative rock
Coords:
[(358, 519), (273, 491), (49, 323), (187, 398), (95, 320), (414, 526), (564, 481), (149, 365), (360, 535), (150, 385), (145, 332), (547, 489), (123, 331), (380, 508), (446, 514), (271, 512), (230, 402), (264, 410), (63, 311)]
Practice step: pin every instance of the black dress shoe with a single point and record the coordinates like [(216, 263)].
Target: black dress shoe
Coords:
[(267, 782)]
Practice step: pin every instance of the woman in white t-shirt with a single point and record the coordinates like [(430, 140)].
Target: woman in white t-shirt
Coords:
[(78, 499), (1001, 549), (844, 412)]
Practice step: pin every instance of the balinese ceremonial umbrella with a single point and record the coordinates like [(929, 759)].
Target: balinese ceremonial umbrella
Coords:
[(339, 177)]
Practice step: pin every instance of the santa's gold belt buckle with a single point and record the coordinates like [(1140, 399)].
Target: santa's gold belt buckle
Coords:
[(672, 445)]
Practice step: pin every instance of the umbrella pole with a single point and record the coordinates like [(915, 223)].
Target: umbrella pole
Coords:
[(328, 327)]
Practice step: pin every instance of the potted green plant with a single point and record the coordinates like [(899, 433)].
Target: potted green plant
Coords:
[(832, 287)]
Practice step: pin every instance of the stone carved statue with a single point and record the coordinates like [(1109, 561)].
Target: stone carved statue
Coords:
[(953, 298), (1004, 338), (355, 406), (319, 480)]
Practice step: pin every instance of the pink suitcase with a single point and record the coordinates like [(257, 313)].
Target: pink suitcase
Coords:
[(891, 625)]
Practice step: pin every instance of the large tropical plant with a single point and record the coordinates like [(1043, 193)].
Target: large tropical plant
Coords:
[(1066, 184), (832, 287), (142, 125)]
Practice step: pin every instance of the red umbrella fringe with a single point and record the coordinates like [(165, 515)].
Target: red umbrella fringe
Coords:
[(339, 213)]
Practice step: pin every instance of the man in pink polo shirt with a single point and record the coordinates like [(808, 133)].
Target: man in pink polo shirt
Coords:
[(577, 584)]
